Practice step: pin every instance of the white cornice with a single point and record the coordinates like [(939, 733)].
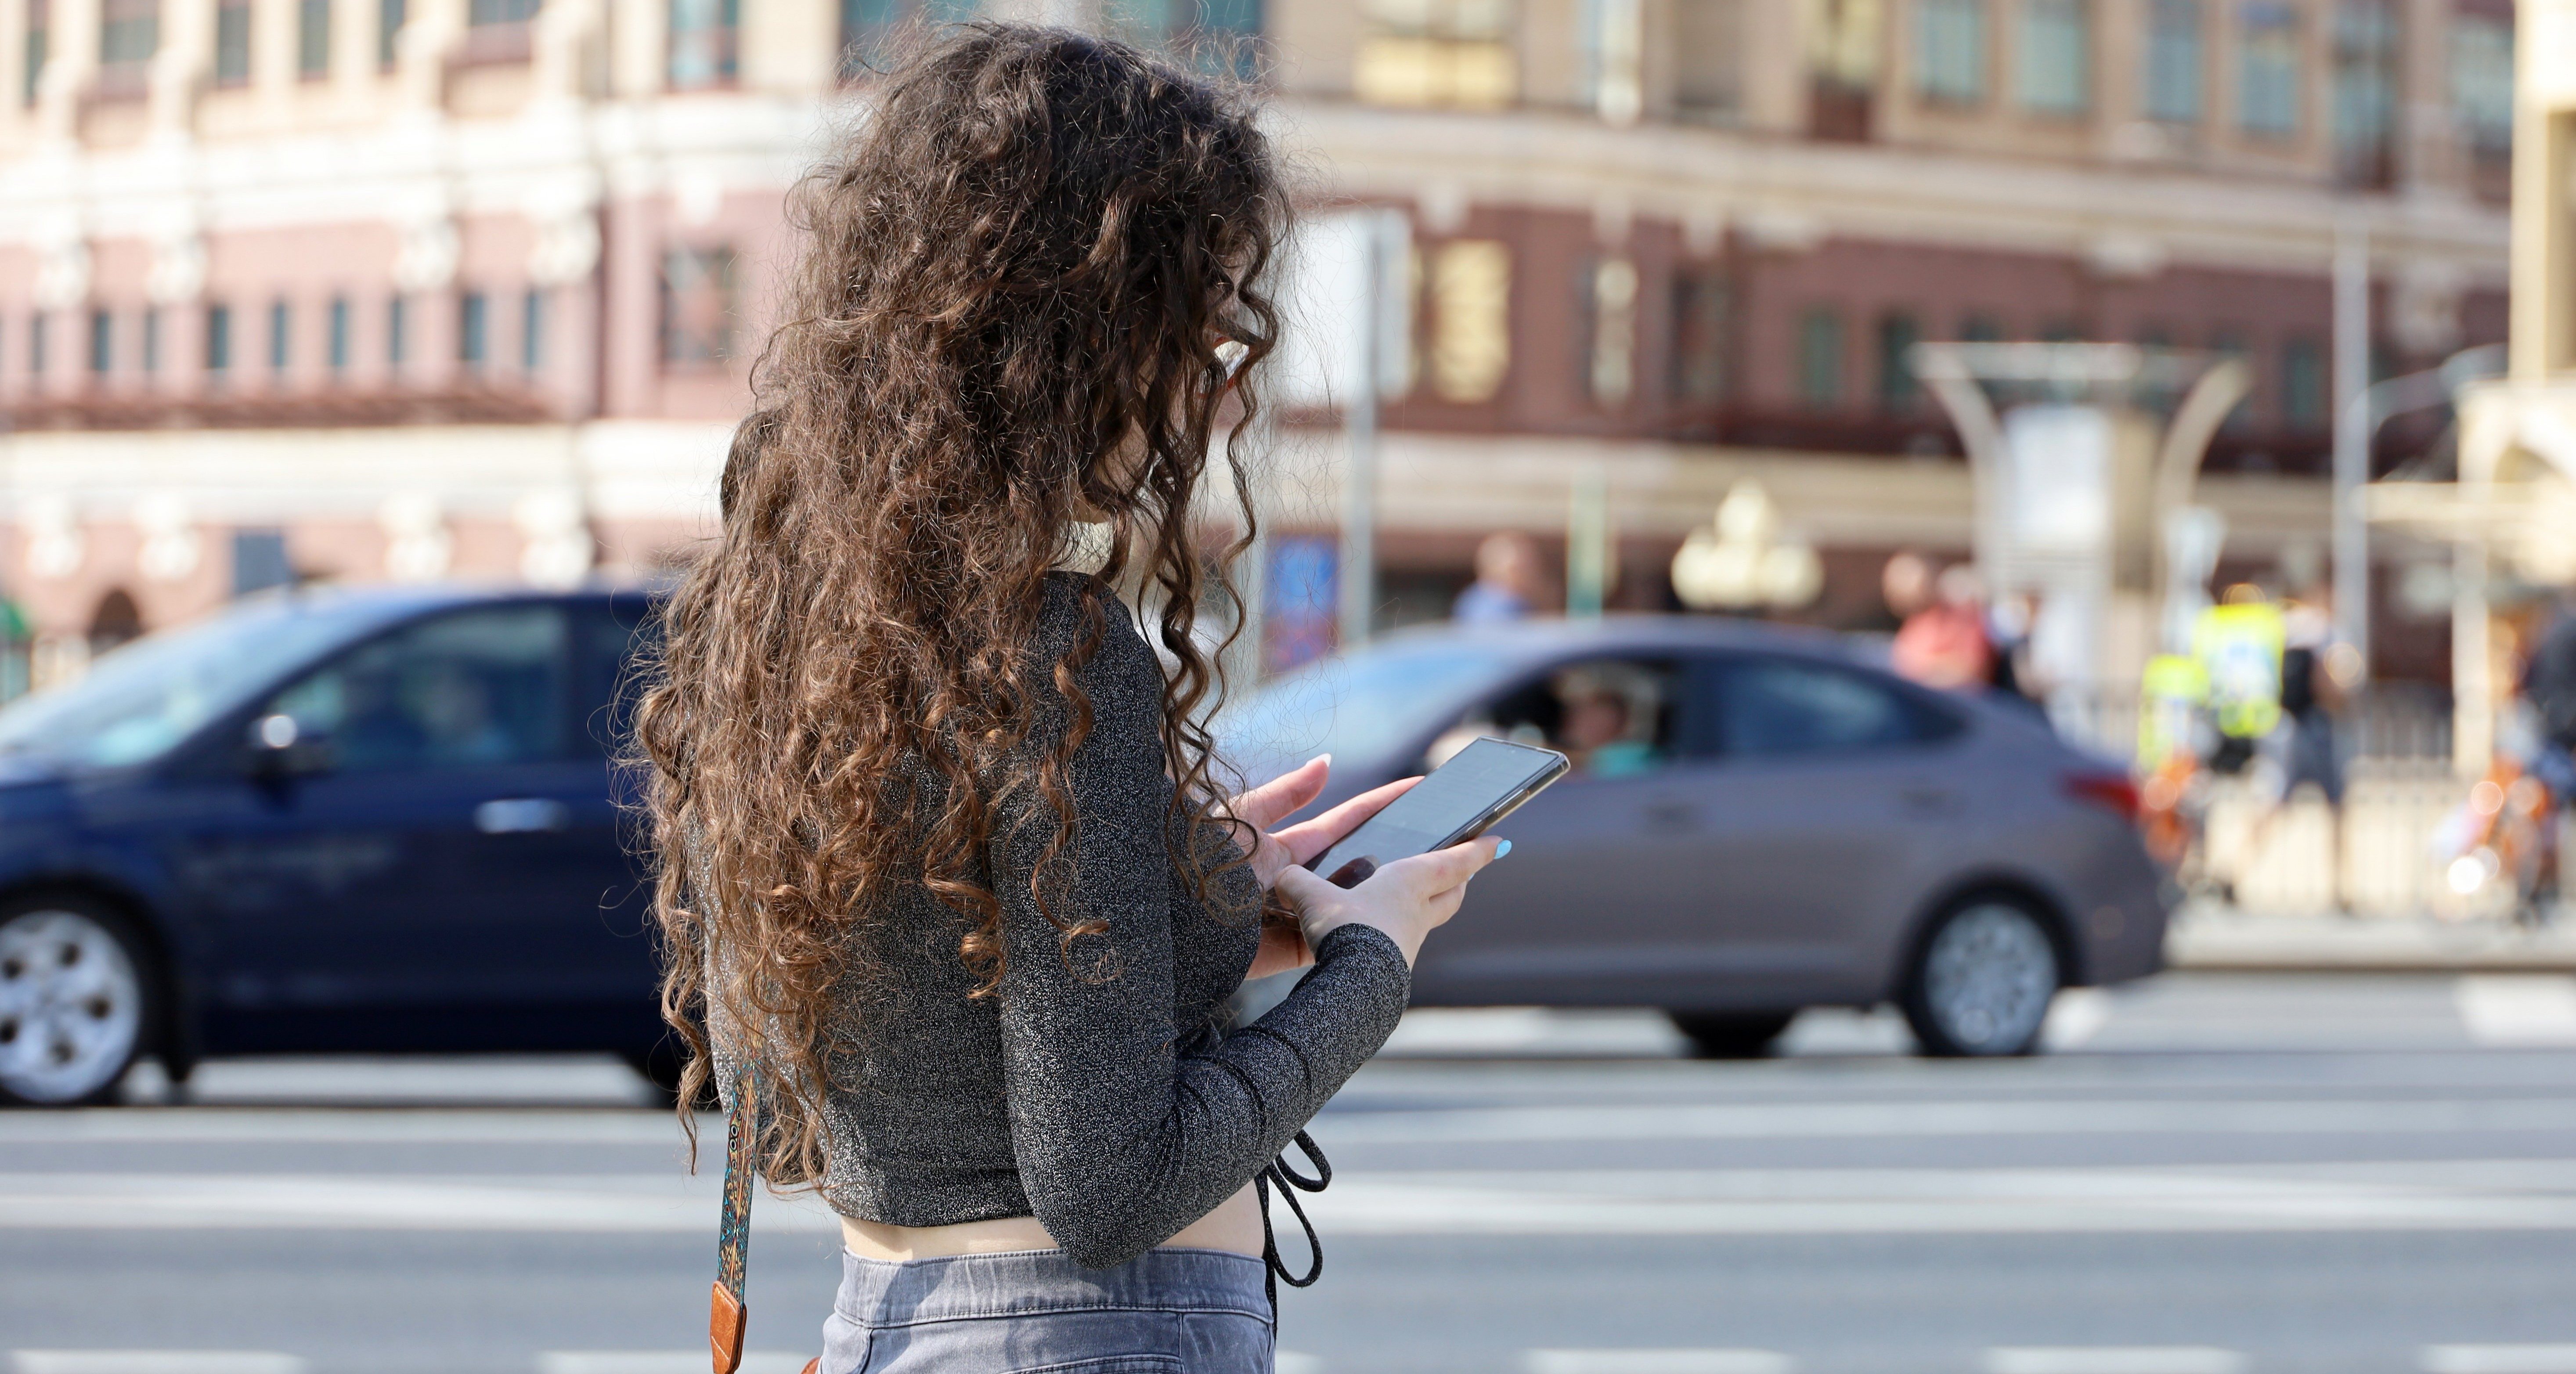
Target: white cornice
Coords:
[(1905, 194)]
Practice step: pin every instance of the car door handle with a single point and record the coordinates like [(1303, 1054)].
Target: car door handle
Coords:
[(521, 815), (1672, 815)]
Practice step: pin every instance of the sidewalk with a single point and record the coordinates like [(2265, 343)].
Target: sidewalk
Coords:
[(2219, 938)]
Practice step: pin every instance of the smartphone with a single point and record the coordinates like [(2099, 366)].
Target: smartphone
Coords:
[(1456, 802)]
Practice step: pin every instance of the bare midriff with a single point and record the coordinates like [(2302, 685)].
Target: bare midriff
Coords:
[(1235, 1225)]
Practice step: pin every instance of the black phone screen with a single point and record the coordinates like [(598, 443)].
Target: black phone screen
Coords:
[(1455, 802)]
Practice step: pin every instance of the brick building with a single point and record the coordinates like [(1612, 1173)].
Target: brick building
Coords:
[(419, 288)]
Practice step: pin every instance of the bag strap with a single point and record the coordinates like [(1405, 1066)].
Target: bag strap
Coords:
[(726, 1316)]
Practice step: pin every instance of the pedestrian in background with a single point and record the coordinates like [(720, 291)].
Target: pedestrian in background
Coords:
[(1511, 581), (944, 866), (1944, 643)]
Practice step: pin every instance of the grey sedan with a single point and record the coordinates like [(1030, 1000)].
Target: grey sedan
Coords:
[(1758, 821)]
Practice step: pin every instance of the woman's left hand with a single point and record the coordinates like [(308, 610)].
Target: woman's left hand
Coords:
[(1287, 794), (1283, 943)]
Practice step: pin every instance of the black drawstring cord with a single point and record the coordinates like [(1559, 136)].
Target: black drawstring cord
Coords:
[(1291, 1183)]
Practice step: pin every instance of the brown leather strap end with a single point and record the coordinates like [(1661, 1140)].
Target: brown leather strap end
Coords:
[(725, 1324)]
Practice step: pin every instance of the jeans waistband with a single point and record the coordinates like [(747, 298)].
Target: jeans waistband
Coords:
[(887, 1293)]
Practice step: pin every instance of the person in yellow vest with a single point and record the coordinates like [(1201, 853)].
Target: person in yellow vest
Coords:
[(2238, 644)]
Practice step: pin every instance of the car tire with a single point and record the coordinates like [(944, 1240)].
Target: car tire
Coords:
[(1982, 979), (1730, 1035), (80, 1001)]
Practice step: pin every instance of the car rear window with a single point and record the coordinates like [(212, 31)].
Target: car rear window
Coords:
[(1771, 707)]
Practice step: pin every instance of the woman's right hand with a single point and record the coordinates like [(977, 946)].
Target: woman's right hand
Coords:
[(1404, 899)]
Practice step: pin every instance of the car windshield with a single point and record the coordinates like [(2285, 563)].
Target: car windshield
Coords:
[(137, 702), (1357, 706)]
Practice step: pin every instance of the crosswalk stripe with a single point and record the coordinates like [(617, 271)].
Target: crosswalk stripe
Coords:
[(2113, 1359), (1677, 1361), (662, 1362), (160, 1362), (2499, 1359), (2518, 1009)]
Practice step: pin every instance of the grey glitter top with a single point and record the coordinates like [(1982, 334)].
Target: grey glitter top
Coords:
[(1118, 1109)]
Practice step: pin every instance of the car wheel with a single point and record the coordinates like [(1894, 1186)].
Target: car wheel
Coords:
[(1731, 1035), (1983, 980), (76, 1001)]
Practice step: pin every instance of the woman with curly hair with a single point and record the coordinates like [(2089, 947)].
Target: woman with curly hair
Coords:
[(943, 869)]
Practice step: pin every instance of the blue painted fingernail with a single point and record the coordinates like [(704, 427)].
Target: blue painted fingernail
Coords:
[(1502, 849)]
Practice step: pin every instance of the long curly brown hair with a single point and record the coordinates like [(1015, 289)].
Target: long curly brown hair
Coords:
[(1032, 283)]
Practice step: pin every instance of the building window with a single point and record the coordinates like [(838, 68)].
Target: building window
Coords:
[(232, 43), (338, 343), (129, 32), (532, 332), (102, 343), (2482, 83), (1820, 358), (397, 319), (697, 306), (1455, 53), (497, 30), (2173, 61), (389, 23), (2056, 56), (1950, 50), (2303, 384), (1981, 328), (1897, 336), (39, 40), (473, 325), (1470, 290), (312, 39), (1699, 337), (702, 43), (280, 318), (219, 338), (151, 341), (2365, 92), (2267, 80), (36, 344), (2230, 345), (260, 562), (1218, 36)]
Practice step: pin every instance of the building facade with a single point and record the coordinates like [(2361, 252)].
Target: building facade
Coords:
[(418, 288)]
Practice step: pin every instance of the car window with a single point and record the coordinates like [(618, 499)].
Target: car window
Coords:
[(613, 640), (1612, 717), (1767, 707), (466, 690), (1355, 706), (140, 701)]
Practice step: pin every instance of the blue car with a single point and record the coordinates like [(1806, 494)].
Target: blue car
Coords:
[(379, 821)]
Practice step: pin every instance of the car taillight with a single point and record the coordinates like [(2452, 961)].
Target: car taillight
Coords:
[(2112, 790)]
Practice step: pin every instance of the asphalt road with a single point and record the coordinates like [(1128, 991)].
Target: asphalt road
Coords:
[(2210, 1173)]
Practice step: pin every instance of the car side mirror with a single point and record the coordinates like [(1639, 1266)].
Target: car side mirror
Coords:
[(280, 747)]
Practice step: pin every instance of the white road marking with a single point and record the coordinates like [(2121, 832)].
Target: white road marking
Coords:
[(2499, 1359), (2114, 1359), (2493, 1195), (2012, 1117), (662, 1362), (1656, 1362), (162, 1362), (1295, 1362), (2518, 1009), (2075, 1017)]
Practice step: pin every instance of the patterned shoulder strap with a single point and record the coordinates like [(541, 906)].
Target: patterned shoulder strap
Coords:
[(726, 1316)]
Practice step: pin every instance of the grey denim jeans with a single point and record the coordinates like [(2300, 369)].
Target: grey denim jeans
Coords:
[(1031, 1311)]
